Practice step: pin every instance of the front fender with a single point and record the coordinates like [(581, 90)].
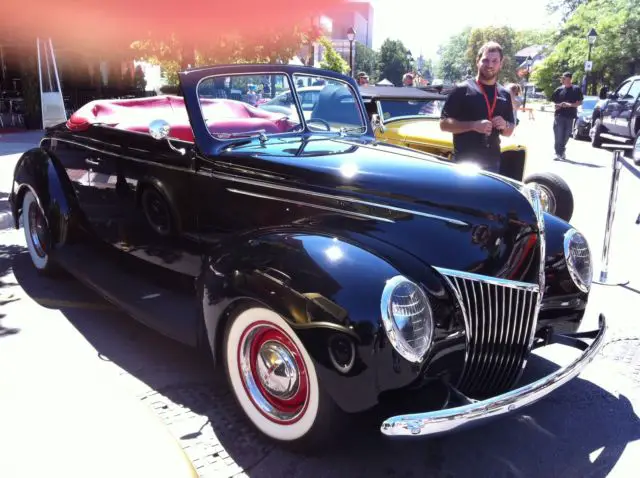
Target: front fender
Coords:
[(37, 171), (329, 290), (563, 304)]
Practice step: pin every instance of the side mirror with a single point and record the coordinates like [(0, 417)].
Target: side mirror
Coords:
[(612, 96), (376, 123), (159, 129)]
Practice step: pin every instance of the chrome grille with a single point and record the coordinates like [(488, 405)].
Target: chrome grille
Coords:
[(500, 320)]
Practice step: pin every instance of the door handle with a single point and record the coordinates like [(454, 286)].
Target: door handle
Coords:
[(94, 162)]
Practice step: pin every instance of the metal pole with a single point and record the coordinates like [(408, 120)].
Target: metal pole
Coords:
[(587, 73), (526, 87), (613, 196), (351, 57)]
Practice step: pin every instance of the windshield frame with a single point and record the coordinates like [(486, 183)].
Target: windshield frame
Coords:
[(223, 143), (403, 117)]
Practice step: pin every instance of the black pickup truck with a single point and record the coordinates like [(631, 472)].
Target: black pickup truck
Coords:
[(618, 114)]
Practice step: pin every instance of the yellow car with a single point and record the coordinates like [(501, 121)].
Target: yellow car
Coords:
[(410, 117)]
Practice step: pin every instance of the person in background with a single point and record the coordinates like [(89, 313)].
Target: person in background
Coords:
[(407, 79), (363, 79), (516, 100), (478, 111), (567, 99)]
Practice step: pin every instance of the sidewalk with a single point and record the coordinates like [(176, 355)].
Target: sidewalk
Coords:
[(12, 145), (63, 411)]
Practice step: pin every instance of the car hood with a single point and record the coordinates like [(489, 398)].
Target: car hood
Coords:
[(419, 130), (446, 214)]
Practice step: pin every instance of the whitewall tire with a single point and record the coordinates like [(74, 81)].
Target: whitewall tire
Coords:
[(36, 232), (273, 377)]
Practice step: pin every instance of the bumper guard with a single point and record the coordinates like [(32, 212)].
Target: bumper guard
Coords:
[(473, 411)]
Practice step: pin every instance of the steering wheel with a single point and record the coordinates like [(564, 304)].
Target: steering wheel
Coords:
[(321, 121)]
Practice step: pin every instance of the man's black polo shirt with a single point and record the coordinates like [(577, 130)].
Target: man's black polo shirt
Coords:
[(467, 103), (569, 94)]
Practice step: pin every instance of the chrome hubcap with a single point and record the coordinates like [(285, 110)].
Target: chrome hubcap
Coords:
[(273, 373), (37, 229), (277, 370), (547, 199)]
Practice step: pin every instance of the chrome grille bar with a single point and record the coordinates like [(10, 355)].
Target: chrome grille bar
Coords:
[(500, 318)]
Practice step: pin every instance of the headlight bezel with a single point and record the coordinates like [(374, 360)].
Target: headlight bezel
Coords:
[(569, 237), (394, 334)]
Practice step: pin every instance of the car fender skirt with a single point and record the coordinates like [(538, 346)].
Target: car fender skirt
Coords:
[(475, 412), (326, 288)]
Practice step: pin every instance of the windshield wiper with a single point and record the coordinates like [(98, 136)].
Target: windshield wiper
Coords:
[(250, 135)]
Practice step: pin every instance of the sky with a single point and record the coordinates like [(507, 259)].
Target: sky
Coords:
[(422, 25)]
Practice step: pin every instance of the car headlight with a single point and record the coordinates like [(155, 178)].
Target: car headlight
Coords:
[(578, 257), (587, 119), (407, 318)]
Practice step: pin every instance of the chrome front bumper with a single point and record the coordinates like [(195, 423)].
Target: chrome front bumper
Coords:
[(446, 420)]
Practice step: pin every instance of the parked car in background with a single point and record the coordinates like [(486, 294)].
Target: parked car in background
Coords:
[(322, 270), (410, 117), (582, 124), (619, 114)]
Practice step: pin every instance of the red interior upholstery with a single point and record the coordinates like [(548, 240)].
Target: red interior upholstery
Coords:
[(221, 115)]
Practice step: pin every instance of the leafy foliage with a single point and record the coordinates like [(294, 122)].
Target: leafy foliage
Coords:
[(616, 54), (172, 54), (453, 63), (331, 59), (366, 60), (393, 61)]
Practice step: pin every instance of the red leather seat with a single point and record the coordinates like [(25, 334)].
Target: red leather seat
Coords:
[(221, 115)]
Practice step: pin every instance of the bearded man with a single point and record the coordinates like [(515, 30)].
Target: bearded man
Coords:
[(478, 111)]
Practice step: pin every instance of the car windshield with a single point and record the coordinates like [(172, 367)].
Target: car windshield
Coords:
[(397, 108), (589, 103), (246, 105)]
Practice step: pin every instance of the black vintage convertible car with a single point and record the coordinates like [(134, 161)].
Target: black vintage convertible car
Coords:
[(322, 270)]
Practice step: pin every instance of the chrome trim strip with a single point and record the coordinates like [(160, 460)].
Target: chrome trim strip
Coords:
[(253, 182), (337, 198), (489, 280), (317, 206), (441, 421)]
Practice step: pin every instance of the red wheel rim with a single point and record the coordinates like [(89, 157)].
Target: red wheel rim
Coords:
[(273, 373)]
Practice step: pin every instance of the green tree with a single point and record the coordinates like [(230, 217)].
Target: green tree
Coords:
[(615, 56), (171, 53), (453, 64), (506, 37), (393, 61), (331, 59), (566, 7), (366, 60)]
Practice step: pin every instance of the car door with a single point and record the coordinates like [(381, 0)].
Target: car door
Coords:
[(91, 169), (627, 107), (156, 222), (612, 110)]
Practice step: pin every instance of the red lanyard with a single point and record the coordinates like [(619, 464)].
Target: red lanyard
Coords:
[(491, 108)]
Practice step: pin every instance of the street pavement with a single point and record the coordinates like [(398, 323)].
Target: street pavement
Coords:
[(589, 427)]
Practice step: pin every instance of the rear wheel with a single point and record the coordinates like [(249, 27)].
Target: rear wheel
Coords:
[(274, 379), (37, 233), (555, 194), (596, 139)]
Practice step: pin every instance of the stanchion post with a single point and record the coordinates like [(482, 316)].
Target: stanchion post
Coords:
[(603, 279)]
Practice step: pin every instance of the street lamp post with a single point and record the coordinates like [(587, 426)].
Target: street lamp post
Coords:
[(528, 62), (591, 38), (351, 35)]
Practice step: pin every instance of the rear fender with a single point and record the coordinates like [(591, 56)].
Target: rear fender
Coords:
[(37, 171), (327, 288)]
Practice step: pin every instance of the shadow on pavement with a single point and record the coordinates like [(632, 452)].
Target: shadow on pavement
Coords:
[(8, 254), (555, 437), (577, 163)]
